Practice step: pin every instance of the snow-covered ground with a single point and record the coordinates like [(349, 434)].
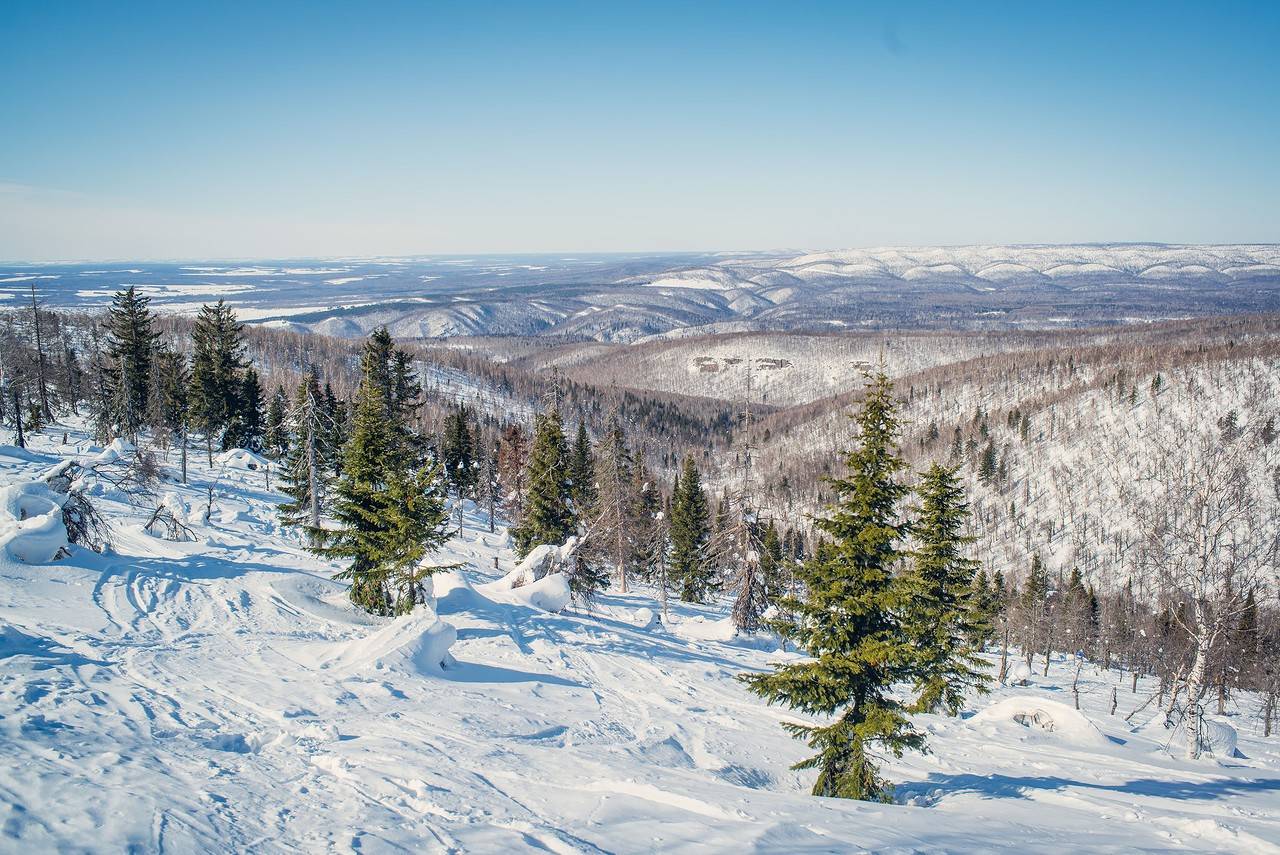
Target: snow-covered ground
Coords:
[(222, 695)]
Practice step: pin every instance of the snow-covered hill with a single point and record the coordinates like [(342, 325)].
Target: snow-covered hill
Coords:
[(221, 694), (627, 298)]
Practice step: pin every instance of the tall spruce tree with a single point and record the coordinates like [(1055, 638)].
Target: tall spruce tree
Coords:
[(944, 610), (246, 427), (131, 341), (216, 365), (691, 568), (306, 477), (850, 622), (582, 473), (458, 452), (389, 516), (547, 517)]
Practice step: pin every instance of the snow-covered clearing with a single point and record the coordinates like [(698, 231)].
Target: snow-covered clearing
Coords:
[(222, 695)]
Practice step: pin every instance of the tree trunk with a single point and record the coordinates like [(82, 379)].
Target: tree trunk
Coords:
[(1004, 655), (184, 454), (1195, 693), (17, 419), (313, 481)]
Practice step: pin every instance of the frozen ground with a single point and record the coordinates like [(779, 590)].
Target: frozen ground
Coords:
[(221, 695)]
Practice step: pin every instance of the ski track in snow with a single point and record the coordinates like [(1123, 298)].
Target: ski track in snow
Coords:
[(223, 695)]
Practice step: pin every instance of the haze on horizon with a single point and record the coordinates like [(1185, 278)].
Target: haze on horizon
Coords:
[(147, 131)]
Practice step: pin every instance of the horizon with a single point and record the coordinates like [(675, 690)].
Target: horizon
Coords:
[(781, 252)]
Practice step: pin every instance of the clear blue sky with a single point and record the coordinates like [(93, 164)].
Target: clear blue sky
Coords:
[(176, 130)]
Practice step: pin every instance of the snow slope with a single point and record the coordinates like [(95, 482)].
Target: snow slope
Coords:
[(222, 695)]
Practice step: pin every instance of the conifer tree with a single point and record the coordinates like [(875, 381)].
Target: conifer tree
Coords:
[(458, 452), (276, 429), (582, 473), (305, 479), (547, 517), (740, 551), (245, 429), (944, 610), (216, 364), (648, 545), (131, 340), (612, 502), (389, 517), (772, 567), (849, 621), (691, 568)]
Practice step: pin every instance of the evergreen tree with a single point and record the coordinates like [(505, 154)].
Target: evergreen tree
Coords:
[(216, 365), (306, 477), (612, 508), (944, 610), (246, 428), (276, 435), (458, 452), (691, 567), (987, 468), (849, 621), (131, 341), (547, 517), (582, 473), (648, 546), (389, 517), (772, 563)]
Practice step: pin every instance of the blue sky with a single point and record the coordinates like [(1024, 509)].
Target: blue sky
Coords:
[(230, 130)]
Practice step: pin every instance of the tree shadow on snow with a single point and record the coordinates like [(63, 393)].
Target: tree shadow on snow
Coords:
[(1008, 786)]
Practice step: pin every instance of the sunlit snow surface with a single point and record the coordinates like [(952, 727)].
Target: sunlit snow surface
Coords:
[(222, 695)]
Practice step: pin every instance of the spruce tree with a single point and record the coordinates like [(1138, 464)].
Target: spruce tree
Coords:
[(276, 429), (547, 517), (648, 545), (458, 452), (850, 622), (389, 517), (944, 609), (306, 478), (691, 567), (246, 428), (216, 364), (582, 473), (131, 341)]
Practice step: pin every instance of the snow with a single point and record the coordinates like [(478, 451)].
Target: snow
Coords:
[(223, 695), (1040, 714), (31, 527)]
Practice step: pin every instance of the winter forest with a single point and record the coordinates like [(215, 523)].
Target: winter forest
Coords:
[(1060, 543)]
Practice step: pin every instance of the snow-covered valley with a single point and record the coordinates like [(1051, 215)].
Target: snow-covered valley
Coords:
[(222, 694)]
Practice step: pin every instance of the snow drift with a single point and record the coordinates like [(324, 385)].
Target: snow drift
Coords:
[(1042, 715)]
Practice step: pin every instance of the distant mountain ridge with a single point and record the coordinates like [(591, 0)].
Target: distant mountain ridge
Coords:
[(633, 297)]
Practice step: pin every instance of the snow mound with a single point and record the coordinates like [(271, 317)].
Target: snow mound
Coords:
[(549, 594), (31, 527), (240, 458), (416, 643), (1017, 674), (1041, 714), (119, 449), (701, 629), (644, 618), (1219, 737)]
